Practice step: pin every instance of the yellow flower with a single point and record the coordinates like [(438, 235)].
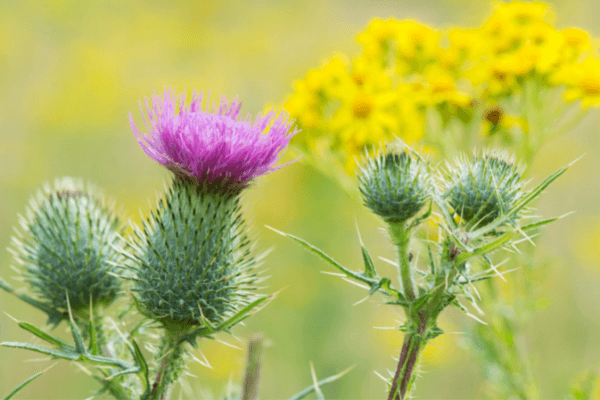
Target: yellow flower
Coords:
[(417, 45), (373, 38), (368, 112), (463, 45), (585, 83), (521, 13), (441, 87)]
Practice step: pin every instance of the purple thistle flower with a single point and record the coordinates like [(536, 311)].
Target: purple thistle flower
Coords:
[(212, 149)]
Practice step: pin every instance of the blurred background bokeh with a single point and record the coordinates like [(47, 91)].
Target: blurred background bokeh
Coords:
[(70, 72)]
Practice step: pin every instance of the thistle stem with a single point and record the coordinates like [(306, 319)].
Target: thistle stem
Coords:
[(170, 355), (401, 238), (404, 377)]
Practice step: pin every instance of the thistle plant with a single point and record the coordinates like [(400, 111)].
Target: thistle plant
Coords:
[(190, 266), (480, 205), (193, 272)]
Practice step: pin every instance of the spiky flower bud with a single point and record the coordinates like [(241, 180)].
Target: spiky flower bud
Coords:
[(480, 190), (66, 247), (193, 258), (395, 185)]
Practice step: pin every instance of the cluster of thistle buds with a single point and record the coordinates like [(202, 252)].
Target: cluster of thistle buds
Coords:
[(479, 203)]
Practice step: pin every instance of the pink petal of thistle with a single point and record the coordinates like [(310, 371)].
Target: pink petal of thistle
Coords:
[(212, 144)]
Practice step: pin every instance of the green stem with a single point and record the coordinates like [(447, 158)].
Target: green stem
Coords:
[(401, 238), (170, 358)]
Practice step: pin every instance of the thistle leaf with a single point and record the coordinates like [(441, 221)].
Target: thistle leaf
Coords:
[(369, 266), (22, 385), (487, 248), (143, 365), (519, 205), (67, 355), (319, 384), (45, 336), (351, 274)]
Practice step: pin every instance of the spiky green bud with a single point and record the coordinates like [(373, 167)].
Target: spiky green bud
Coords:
[(67, 247), (481, 189), (395, 185), (192, 258)]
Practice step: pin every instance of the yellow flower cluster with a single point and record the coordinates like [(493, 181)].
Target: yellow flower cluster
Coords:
[(406, 71)]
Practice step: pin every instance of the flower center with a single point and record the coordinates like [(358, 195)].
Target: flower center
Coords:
[(591, 85), (362, 106), (494, 115)]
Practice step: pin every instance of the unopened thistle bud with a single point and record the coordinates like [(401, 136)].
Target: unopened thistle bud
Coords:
[(482, 189), (395, 185), (67, 247)]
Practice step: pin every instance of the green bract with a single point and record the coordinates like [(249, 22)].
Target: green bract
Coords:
[(192, 259), (67, 247), (481, 190), (394, 185)]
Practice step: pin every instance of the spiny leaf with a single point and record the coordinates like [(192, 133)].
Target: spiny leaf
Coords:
[(22, 385), (530, 196), (4, 285), (133, 370), (79, 344), (355, 275), (45, 336), (383, 283), (487, 248), (369, 266), (143, 365), (544, 222), (67, 355), (235, 319), (325, 381)]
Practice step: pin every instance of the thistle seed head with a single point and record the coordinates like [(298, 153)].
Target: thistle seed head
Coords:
[(66, 246), (395, 184), (480, 190)]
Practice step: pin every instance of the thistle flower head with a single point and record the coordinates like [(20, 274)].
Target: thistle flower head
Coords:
[(212, 148), (481, 189), (66, 247), (395, 184)]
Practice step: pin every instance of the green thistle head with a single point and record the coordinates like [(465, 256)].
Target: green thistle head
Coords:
[(482, 189), (192, 259), (67, 247), (395, 185)]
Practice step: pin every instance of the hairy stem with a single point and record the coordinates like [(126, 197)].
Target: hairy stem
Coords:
[(401, 361), (170, 357), (404, 376), (401, 239)]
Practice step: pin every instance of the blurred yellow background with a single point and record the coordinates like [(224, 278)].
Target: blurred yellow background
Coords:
[(71, 71)]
